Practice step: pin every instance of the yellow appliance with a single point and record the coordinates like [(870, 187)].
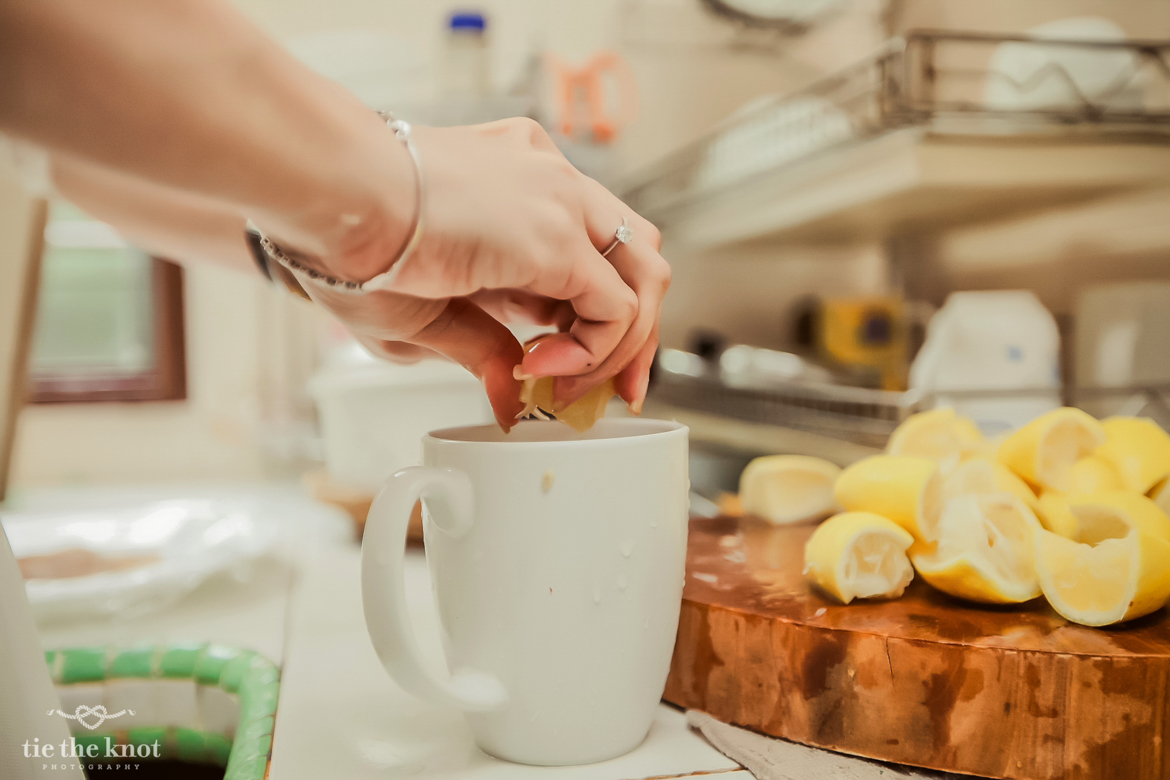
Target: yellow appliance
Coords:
[(865, 332)]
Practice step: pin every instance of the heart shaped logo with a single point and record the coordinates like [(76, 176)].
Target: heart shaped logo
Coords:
[(82, 712), (98, 715)]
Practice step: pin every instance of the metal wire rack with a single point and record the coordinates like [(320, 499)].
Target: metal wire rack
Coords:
[(864, 416), (947, 82)]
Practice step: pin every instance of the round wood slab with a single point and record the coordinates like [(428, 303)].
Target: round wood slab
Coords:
[(925, 679)]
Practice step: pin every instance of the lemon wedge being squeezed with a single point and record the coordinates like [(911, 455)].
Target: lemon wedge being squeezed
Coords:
[(581, 415), (536, 393), (859, 555)]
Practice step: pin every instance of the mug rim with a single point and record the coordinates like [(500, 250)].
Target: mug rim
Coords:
[(654, 429)]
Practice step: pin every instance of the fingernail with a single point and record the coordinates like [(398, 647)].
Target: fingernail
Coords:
[(640, 397), (518, 373)]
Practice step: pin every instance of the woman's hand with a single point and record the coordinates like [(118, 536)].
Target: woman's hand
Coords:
[(225, 115), (510, 228)]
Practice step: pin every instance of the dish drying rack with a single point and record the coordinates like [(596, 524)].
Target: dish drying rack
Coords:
[(934, 86), (858, 415)]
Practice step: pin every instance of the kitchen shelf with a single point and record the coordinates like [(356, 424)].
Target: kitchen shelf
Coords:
[(937, 130)]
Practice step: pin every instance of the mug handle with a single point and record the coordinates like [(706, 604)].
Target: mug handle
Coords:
[(449, 503)]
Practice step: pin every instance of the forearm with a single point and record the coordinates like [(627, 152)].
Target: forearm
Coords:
[(170, 223), (189, 94)]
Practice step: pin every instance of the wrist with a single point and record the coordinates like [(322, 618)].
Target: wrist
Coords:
[(354, 204), (362, 261), (367, 224)]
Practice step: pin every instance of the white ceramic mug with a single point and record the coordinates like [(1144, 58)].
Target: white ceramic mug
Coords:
[(557, 560)]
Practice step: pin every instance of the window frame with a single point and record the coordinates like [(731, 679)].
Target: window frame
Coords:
[(166, 380)]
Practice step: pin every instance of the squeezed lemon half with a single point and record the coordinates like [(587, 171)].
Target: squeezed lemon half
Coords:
[(980, 475), (787, 489), (1054, 515), (1116, 565), (1139, 451), (1090, 474), (1044, 451), (859, 555), (939, 435), (905, 489), (984, 550)]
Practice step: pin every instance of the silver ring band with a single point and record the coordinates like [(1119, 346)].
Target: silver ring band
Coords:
[(624, 235)]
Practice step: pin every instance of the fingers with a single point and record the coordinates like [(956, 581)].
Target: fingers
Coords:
[(471, 337), (649, 276), (605, 307), (396, 326), (512, 306), (644, 270), (395, 351), (633, 380)]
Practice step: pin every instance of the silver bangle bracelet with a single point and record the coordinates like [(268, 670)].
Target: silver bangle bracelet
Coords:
[(382, 281)]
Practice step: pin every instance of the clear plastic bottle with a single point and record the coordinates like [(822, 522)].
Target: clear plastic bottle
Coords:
[(466, 66)]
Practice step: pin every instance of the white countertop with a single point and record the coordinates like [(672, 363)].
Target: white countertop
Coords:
[(339, 714)]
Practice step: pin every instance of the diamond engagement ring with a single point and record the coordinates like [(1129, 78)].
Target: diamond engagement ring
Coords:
[(624, 235)]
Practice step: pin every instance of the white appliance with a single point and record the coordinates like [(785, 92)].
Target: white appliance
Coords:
[(374, 414), (981, 346)]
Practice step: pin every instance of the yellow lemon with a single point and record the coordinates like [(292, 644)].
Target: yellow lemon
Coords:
[(1054, 514), (859, 555), (939, 435), (1117, 565), (1138, 511), (1092, 474), (905, 489), (1161, 495), (581, 415), (980, 475), (984, 551), (1044, 451), (788, 488), (1138, 449)]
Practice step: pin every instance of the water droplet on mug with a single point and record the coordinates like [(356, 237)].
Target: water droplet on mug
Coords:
[(621, 582), (653, 523), (546, 482), (627, 547), (645, 622), (597, 595)]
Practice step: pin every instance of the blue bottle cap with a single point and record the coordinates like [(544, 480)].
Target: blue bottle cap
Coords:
[(467, 21)]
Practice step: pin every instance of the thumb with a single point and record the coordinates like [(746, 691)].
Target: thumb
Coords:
[(471, 337)]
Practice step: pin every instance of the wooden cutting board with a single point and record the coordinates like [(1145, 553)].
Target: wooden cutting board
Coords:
[(924, 680)]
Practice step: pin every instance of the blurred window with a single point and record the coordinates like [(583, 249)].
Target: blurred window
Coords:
[(109, 321)]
